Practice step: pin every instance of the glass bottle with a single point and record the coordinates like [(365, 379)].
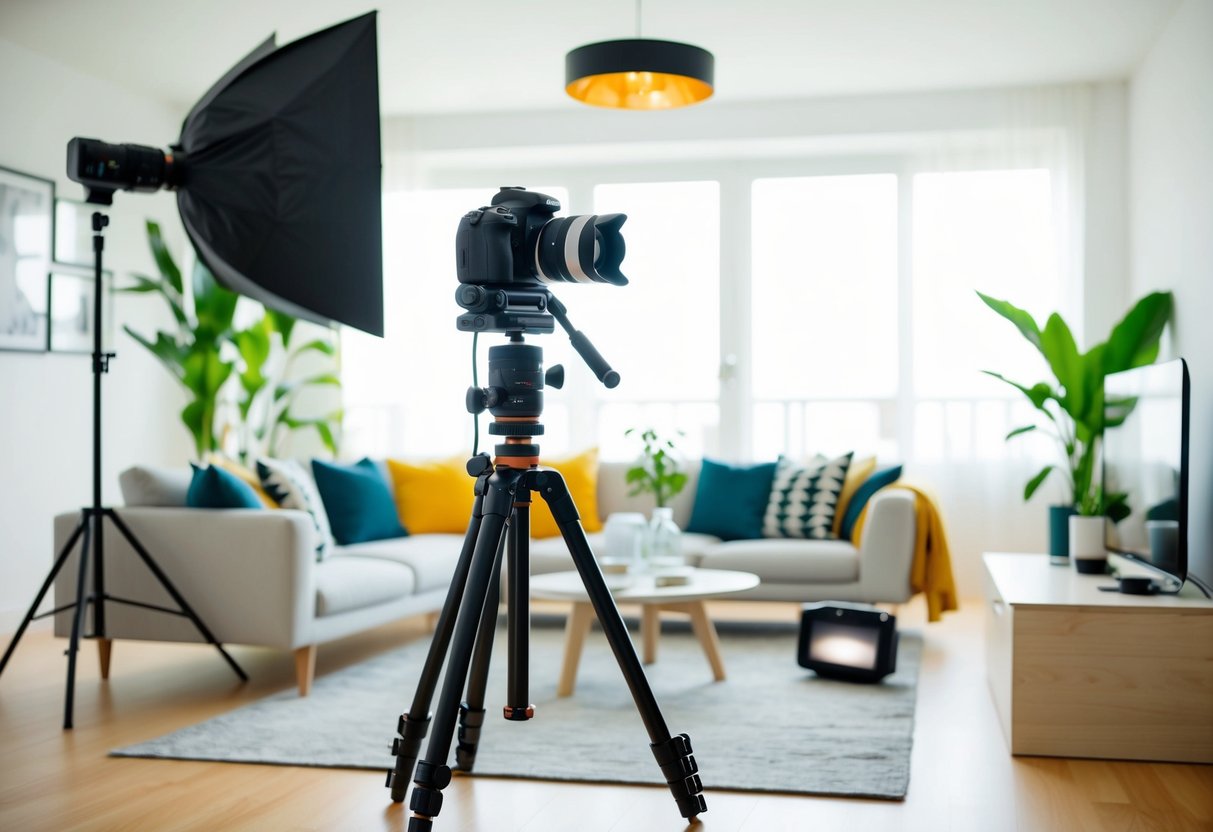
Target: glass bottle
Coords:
[(664, 540)]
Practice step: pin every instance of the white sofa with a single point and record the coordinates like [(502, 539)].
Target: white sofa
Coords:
[(252, 575)]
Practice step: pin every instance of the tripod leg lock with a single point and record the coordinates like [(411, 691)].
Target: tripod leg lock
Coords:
[(681, 773), (427, 794), (470, 722), (406, 748)]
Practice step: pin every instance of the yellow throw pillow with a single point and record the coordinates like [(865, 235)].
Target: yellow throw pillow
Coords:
[(433, 497), (857, 475), (581, 475), (243, 474)]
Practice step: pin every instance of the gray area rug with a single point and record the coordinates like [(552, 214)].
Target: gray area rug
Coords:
[(771, 726)]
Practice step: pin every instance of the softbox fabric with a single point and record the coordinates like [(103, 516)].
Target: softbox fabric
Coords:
[(281, 193)]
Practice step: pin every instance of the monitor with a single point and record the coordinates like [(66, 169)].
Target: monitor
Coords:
[(1146, 458)]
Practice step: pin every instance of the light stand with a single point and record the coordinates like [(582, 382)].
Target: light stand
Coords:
[(91, 529)]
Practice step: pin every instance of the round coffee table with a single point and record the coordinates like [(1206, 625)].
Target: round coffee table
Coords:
[(688, 599)]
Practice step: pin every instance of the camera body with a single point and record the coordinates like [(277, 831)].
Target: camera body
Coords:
[(518, 240), (496, 243)]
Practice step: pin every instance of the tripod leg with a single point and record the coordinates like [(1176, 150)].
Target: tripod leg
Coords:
[(471, 712), (413, 725), (177, 597), (46, 585), (673, 754), (82, 599), (518, 622), (433, 774)]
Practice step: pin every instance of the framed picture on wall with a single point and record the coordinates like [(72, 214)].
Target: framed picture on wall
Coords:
[(71, 309), (27, 228), (74, 232)]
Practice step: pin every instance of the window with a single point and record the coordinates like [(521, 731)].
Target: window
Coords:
[(824, 312), (863, 330)]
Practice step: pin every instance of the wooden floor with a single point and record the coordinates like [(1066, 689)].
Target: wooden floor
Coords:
[(962, 777)]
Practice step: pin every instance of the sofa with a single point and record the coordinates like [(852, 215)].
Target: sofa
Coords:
[(252, 574)]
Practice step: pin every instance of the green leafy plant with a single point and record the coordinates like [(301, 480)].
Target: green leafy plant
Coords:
[(1072, 405), (658, 470), (205, 351), (193, 352), (267, 397)]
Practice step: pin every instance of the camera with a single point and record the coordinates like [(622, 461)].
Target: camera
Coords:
[(518, 240)]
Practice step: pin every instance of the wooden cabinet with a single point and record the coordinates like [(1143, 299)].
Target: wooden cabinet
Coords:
[(1077, 672)]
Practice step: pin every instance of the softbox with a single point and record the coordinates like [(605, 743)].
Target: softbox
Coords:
[(278, 176)]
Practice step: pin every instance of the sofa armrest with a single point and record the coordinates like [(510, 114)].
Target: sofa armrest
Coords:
[(248, 573), (886, 549)]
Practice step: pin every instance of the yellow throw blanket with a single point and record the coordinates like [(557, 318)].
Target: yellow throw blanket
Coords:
[(931, 571)]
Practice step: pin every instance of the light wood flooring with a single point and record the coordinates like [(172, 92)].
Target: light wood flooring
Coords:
[(962, 777)]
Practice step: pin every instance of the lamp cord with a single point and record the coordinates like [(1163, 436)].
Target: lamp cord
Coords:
[(475, 383)]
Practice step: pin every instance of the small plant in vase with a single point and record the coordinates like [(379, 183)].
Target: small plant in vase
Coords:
[(659, 472)]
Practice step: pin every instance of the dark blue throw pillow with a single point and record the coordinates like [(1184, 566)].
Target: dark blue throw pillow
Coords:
[(878, 480), (213, 487), (731, 500), (357, 501)]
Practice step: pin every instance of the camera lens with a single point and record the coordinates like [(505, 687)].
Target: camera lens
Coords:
[(584, 248)]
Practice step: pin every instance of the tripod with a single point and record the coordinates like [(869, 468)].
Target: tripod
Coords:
[(501, 521), (91, 529)]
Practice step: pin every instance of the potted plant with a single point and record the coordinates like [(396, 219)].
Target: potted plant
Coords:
[(1073, 411), (205, 351), (658, 471)]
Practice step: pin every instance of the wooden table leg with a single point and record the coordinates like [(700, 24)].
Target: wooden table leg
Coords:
[(575, 631), (104, 648), (705, 631), (650, 630)]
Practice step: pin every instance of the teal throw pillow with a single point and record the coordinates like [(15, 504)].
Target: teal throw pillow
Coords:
[(358, 501), (731, 500), (878, 480), (212, 487)]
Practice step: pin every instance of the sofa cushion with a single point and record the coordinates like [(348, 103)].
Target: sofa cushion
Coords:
[(291, 486), (804, 498), (580, 474), (787, 561), (351, 583), (145, 485), (432, 557), (551, 555), (878, 480), (434, 496), (213, 487), (731, 499), (357, 501)]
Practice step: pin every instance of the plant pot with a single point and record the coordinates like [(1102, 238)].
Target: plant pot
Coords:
[(1059, 534), (1087, 547)]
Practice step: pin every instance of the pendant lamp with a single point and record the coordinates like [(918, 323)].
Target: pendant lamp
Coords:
[(639, 73)]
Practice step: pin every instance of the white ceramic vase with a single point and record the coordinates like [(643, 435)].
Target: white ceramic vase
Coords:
[(1088, 550)]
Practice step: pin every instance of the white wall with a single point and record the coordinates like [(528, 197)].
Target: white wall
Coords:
[(46, 399), (1171, 223)]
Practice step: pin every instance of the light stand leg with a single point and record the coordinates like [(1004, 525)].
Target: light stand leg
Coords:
[(673, 754), (46, 585), (82, 601)]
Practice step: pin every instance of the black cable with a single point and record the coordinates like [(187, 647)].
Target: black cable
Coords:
[(475, 383)]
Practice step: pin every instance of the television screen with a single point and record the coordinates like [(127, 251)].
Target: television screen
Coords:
[(1146, 458)]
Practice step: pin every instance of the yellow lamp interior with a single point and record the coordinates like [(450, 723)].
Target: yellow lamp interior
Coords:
[(639, 90)]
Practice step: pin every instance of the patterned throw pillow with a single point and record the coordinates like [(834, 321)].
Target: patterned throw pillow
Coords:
[(804, 498), (289, 484)]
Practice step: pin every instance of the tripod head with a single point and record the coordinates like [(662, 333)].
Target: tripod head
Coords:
[(514, 394)]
